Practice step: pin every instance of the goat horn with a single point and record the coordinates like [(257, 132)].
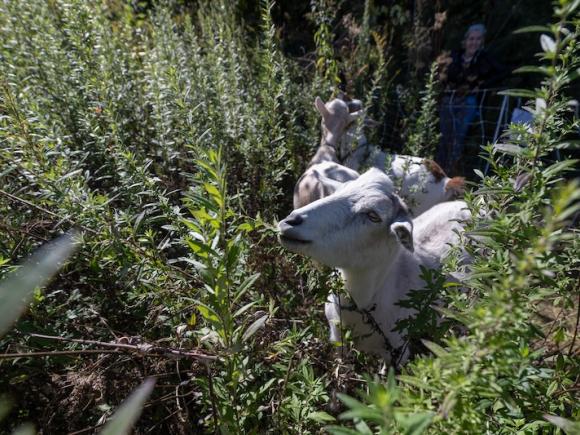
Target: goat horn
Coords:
[(319, 104)]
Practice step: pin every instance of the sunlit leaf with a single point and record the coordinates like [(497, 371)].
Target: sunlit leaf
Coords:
[(525, 93), (547, 43), (254, 327), (435, 348), (25, 429), (510, 149), (126, 416), (17, 289), (529, 29), (533, 69), (570, 427), (320, 417)]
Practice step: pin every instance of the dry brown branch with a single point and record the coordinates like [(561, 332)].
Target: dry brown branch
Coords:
[(215, 412), (577, 321), (56, 353), (141, 348), (90, 230), (44, 210)]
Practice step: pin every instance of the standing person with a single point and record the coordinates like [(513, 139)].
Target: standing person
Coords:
[(463, 73)]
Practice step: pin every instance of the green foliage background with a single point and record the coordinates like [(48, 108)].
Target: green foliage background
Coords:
[(170, 134)]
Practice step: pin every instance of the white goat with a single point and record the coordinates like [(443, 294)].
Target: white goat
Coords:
[(366, 231), (324, 171), (421, 182), (320, 180)]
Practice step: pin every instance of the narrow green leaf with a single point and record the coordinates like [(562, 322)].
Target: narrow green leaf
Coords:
[(448, 404), (529, 29), (416, 382), (25, 429), (512, 150), (126, 416), (70, 174), (17, 289), (559, 167), (570, 8), (245, 286), (524, 93), (533, 69), (244, 309), (363, 428), (435, 348), (320, 416), (253, 328)]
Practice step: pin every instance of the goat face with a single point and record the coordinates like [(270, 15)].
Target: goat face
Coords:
[(359, 225), (336, 118)]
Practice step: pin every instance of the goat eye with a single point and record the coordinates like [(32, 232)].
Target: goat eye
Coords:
[(373, 216)]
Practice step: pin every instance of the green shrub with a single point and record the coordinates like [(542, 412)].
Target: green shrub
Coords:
[(513, 365), (170, 141)]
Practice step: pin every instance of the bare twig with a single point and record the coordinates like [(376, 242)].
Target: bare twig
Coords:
[(213, 401), (568, 390), (577, 321), (90, 230), (88, 429), (149, 430), (143, 348), (44, 210), (56, 353)]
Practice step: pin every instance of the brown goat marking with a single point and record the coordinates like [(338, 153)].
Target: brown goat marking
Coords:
[(456, 185), (435, 169)]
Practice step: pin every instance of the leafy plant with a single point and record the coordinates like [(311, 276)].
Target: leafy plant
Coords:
[(498, 376)]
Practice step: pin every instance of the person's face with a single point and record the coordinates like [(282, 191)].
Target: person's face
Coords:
[(473, 42)]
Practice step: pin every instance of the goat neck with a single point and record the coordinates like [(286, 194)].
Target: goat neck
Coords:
[(325, 153), (385, 282)]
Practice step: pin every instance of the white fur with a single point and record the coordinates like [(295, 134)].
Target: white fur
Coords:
[(344, 144), (320, 180), (380, 261), (324, 169), (420, 182)]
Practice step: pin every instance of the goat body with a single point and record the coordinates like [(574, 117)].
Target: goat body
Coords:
[(366, 231), (422, 183), (320, 180)]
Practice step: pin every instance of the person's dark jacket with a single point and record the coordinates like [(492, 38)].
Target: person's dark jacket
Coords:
[(482, 72)]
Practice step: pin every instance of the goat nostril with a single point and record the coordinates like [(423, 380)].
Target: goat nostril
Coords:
[(295, 220)]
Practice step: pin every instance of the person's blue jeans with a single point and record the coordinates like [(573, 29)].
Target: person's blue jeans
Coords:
[(456, 115)]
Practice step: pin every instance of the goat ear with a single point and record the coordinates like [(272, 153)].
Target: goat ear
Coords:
[(403, 231), (402, 226), (319, 104)]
